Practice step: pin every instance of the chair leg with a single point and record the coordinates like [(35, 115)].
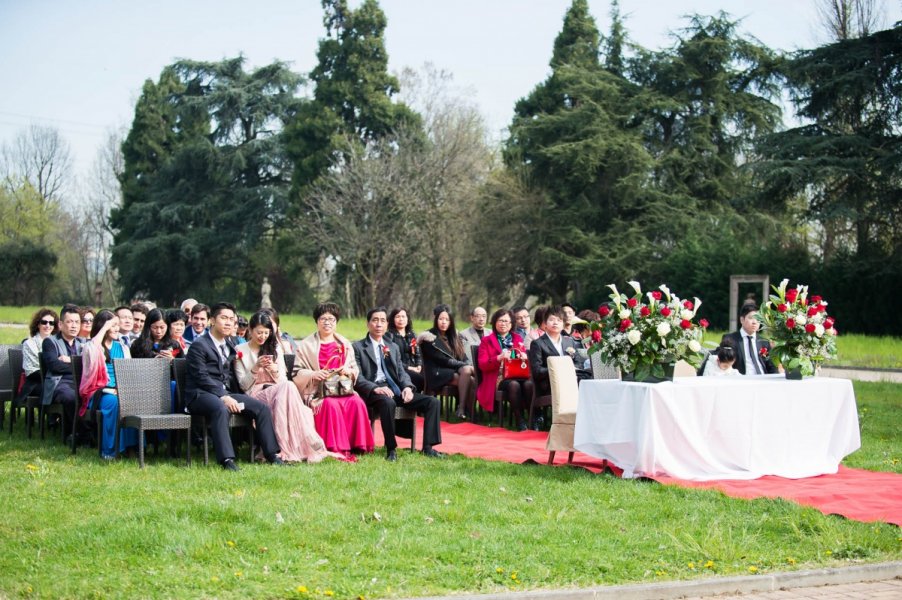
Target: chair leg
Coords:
[(569, 457), (413, 436), (551, 457), (140, 446), (188, 444)]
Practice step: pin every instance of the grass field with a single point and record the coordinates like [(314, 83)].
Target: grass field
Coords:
[(75, 526)]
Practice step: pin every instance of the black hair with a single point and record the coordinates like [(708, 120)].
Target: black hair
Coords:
[(457, 347), (327, 308), (264, 318), (748, 307), (176, 314), (726, 353), (143, 347), (553, 311), (37, 317), (214, 310), (374, 310), (391, 320), (500, 313)]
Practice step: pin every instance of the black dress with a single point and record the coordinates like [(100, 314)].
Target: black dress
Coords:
[(410, 355), (439, 361)]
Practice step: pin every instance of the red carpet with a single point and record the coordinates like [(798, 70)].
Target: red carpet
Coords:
[(853, 493)]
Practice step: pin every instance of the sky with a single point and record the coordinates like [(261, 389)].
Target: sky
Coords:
[(79, 66)]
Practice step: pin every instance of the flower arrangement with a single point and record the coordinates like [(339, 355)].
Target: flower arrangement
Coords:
[(802, 332), (641, 334)]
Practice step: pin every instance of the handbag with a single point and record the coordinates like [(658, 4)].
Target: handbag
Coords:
[(337, 385), (515, 368)]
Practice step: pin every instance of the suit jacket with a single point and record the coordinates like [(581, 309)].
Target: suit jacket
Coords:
[(541, 349), (205, 371), (53, 347), (737, 340), (368, 362), (470, 337)]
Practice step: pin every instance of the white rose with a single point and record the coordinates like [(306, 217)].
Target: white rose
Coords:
[(634, 336), (625, 313), (686, 314), (819, 330), (663, 328), (801, 319), (831, 331), (694, 345)]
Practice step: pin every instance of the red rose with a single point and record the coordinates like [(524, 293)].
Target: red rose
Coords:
[(782, 308), (386, 351), (240, 356), (809, 328), (812, 310), (790, 323), (762, 351), (791, 295), (685, 324), (625, 324), (665, 311), (688, 304), (603, 310), (704, 323), (828, 322), (596, 336), (644, 311), (816, 299), (656, 295), (822, 307), (632, 302)]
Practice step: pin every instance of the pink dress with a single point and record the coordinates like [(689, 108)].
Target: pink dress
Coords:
[(342, 421)]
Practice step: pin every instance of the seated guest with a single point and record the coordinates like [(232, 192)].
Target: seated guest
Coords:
[(87, 321), (139, 315), (552, 343), (43, 325), (289, 346), (186, 306), (260, 369), (400, 331), (521, 323), (569, 314), (499, 346), (752, 353), (444, 360), (342, 421), (720, 362), (98, 383), (126, 324), (154, 340), (208, 376), (241, 330), (384, 384), (539, 319), (200, 314), (59, 383), (177, 321), (472, 335)]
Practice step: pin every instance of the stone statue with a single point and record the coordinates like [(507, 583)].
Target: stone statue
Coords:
[(265, 291)]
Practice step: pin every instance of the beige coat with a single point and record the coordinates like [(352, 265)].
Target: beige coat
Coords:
[(308, 360)]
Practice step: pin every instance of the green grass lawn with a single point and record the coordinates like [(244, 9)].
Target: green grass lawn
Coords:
[(76, 527)]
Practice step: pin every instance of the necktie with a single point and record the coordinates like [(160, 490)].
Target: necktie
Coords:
[(388, 379), (753, 356), (224, 352)]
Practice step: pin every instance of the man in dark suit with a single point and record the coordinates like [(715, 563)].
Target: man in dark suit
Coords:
[(58, 350), (752, 353), (552, 343), (208, 377), (383, 383)]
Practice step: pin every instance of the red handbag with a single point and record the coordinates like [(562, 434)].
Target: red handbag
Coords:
[(515, 368)]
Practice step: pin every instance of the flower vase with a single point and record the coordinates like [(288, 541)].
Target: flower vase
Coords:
[(668, 375), (794, 374)]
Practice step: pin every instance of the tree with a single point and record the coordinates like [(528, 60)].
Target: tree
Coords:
[(847, 19), (28, 265), (40, 156)]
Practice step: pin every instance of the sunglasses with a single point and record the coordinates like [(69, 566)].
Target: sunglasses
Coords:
[(45, 322), (87, 320)]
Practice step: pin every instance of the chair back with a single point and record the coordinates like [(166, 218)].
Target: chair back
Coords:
[(16, 368), (289, 365), (143, 385), (7, 384), (602, 371), (564, 389), (684, 369), (76, 372), (179, 368), (474, 353)]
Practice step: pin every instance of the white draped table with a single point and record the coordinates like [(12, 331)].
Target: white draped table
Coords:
[(704, 428)]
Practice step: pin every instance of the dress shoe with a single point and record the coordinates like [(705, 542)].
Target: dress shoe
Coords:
[(539, 423), (229, 465), (521, 426), (433, 453), (276, 460), (391, 455)]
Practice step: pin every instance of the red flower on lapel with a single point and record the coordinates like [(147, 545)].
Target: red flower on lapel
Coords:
[(763, 351)]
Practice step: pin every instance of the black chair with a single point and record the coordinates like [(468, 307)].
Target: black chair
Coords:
[(289, 365), (402, 414), (537, 402), (8, 386), (499, 395), (92, 415), (145, 400), (45, 410), (179, 369)]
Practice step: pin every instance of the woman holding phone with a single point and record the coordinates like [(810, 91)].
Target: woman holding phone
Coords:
[(260, 369)]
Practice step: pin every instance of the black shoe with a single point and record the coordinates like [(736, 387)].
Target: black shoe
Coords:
[(538, 424), (229, 465), (276, 460), (521, 426), (391, 455), (433, 453)]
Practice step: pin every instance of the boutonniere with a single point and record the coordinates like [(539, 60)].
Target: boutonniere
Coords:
[(413, 345), (239, 355), (571, 351), (763, 352), (386, 351)]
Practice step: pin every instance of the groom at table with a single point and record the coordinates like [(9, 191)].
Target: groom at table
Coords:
[(383, 384), (208, 377), (753, 353)]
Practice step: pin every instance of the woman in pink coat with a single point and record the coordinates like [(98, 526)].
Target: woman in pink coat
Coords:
[(499, 346)]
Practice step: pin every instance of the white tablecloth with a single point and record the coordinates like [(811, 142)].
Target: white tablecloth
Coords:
[(703, 428)]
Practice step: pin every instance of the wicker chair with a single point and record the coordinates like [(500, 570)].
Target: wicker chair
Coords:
[(15, 373), (8, 386), (179, 367), (401, 413), (564, 399), (602, 371), (145, 400), (45, 410)]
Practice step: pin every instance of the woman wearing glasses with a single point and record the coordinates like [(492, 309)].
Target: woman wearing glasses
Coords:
[(87, 321), (342, 421), (44, 323)]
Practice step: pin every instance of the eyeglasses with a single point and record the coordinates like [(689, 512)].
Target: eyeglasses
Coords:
[(87, 320), (50, 323), (328, 320)]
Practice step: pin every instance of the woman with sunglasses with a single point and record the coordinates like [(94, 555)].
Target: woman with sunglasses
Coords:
[(87, 321), (44, 323)]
